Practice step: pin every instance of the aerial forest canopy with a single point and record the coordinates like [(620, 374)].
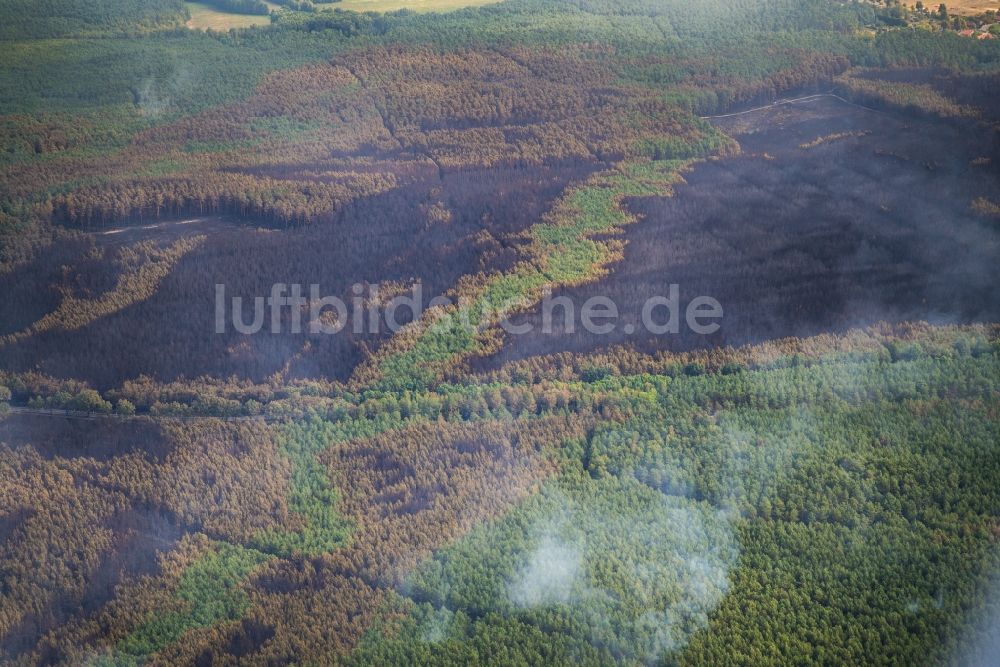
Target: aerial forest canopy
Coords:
[(815, 481)]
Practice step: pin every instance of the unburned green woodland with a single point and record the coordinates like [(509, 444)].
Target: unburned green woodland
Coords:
[(391, 499)]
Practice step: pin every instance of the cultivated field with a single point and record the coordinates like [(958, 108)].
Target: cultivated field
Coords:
[(415, 5), (969, 6), (204, 17)]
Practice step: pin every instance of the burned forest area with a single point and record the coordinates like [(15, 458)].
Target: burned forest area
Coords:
[(529, 332), (832, 218)]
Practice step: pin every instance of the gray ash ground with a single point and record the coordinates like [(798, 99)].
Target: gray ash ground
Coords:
[(875, 225), (386, 238)]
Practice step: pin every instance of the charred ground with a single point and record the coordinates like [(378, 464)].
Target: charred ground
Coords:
[(833, 217)]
